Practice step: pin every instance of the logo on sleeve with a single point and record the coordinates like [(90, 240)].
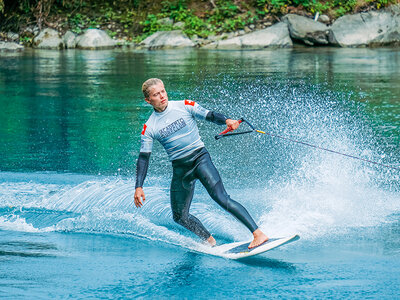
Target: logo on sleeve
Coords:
[(190, 102), (144, 129)]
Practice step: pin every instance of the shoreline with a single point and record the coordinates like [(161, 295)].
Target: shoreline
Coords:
[(374, 29)]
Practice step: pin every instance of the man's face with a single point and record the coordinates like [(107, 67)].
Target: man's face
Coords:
[(158, 97)]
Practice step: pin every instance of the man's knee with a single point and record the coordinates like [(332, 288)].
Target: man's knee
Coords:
[(179, 218), (219, 195)]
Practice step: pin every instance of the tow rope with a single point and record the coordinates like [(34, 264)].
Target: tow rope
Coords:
[(227, 132)]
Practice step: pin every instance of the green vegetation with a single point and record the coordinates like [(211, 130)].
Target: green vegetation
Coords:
[(227, 16), (224, 18), (334, 8), (137, 19)]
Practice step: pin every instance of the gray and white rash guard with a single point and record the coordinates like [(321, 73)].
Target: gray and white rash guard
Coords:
[(175, 128)]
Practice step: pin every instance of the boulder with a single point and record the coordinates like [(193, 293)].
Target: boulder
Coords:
[(121, 42), (94, 39), (307, 30), (324, 19), (179, 25), (276, 36), (10, 46), (69, 39), (212, 38), (166, 22), (373, 28), (167, 40), (32, 29), (48, 39), (12, 36)]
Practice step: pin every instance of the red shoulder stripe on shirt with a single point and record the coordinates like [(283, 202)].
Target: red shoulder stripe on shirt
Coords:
[(189, 102), (144, 129)]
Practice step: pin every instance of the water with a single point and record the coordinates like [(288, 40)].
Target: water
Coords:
[(70, 124)]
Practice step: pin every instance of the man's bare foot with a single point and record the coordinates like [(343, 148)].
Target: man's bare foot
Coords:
[(259, 238), (211, 241)]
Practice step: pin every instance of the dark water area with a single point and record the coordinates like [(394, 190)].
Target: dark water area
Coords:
[(78, 111), (70, 125)]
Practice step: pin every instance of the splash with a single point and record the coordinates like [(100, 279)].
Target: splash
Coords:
[(288, 188), (301, 189)]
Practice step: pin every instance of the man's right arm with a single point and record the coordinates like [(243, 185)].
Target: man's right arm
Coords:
[(141, 168), (141, 172)]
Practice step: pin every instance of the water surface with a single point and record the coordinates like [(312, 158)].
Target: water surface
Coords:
[(70, 125)]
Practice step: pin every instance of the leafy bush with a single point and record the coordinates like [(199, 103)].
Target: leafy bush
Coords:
[(133, 17)]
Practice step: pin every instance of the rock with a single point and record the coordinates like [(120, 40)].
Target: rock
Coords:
[(276, 36), (324, 19), (307, 30), (32, 29), (247, 29), (234, 43), (179, 25), (212, 37), (48, 39), (13, 36), (373, 28), (223, 36), (69, 39), (166, 22), (10, 46), (122, 43), (94, 39), (167, 40), (230, 35), (252, 26)]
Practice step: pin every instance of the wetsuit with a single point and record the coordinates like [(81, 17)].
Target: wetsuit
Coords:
[(175, 128)]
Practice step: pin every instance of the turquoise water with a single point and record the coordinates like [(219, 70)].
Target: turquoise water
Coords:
[(70, 124)]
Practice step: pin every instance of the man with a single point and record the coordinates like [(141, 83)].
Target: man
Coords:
[(173, 125)]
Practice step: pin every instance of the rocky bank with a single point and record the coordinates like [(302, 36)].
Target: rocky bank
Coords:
[(367, 29)]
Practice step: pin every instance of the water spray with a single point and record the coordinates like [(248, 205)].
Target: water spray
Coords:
[(227, 132)]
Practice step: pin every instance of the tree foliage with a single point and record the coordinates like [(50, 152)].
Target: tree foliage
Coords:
[(139, 18)]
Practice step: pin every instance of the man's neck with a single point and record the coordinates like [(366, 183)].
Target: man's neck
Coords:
[(159, 110)]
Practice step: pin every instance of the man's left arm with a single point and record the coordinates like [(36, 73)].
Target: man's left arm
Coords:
[(199, 112), (221, 119)]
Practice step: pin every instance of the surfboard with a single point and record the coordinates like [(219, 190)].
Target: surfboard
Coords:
[(239, 250)]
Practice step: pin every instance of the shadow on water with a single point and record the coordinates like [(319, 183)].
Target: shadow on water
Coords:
[(28, 245), (176, 276), (181, 274), (267, 263), (24, 254), (26, 249)]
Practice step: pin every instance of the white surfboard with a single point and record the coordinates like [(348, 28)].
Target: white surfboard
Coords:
[(239, 250)]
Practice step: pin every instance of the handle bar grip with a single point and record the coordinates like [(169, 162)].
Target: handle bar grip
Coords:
[(228, 129)]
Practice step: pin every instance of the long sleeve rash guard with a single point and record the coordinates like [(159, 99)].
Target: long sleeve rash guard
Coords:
[(176, 129)]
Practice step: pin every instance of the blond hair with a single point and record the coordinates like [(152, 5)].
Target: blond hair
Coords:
[(148, 84)]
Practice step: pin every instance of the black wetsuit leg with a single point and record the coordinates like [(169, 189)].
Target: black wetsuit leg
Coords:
[(185, 172), (182, 189), (209, 177)]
